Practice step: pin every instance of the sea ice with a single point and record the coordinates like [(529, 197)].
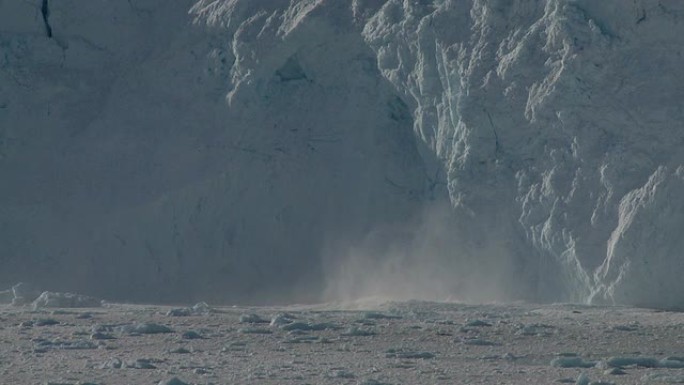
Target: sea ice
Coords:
[(582, 379), (253, 319), (571, 362), (199, 309), (645, 362), (408, 354), (143, 328)]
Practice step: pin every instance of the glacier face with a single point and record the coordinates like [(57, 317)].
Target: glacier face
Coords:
[(232, 150)]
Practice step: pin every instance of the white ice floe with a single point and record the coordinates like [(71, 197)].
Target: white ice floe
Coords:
[(404, 353), (253, 319), (113, 348), (143, 328), (64, 300), (199, 309)]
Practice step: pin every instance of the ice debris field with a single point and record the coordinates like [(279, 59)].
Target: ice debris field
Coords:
[(364, 342)]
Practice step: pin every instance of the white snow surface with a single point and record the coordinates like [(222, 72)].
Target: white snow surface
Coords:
[(240, 150)]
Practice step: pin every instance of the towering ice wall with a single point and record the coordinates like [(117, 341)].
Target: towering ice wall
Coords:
[(233, 150), (561, 116), (144, 156)]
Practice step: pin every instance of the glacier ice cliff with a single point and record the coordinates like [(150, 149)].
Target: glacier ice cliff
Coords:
[(240, 150)]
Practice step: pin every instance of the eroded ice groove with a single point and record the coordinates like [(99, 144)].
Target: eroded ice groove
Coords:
[(238, 150)]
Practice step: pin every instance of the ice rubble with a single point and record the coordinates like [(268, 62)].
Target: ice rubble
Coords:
[(49, 299), (236, 141), (27, 294)]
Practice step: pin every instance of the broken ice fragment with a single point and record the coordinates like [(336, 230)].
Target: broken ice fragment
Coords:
[(64, 300), (408, 354), (646, 362), (253, 319), (571, 362), (143, 328)]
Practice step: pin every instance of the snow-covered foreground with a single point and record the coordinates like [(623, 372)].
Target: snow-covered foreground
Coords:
[(390, 343)]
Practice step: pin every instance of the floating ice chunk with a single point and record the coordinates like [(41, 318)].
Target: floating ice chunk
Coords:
[(571, 362), (113, 363), (101, 336), (253, 319), (296, 326), (255, 331), (672, 362), (179, 312), (116, 363), (45, 322), (200, 308), (281, 319), (64, 300), (625, 328), (365, 322), (614, 372), (479, 342), (646, 362), (302, 339), (43, 345), (408, 354), (143, 328), (140, 363), (582, 379), (191, 335), (308, 326), (566, 380), (535, 330)]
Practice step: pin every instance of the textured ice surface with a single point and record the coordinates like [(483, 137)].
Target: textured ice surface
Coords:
[(417, 347), (236, 150)]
